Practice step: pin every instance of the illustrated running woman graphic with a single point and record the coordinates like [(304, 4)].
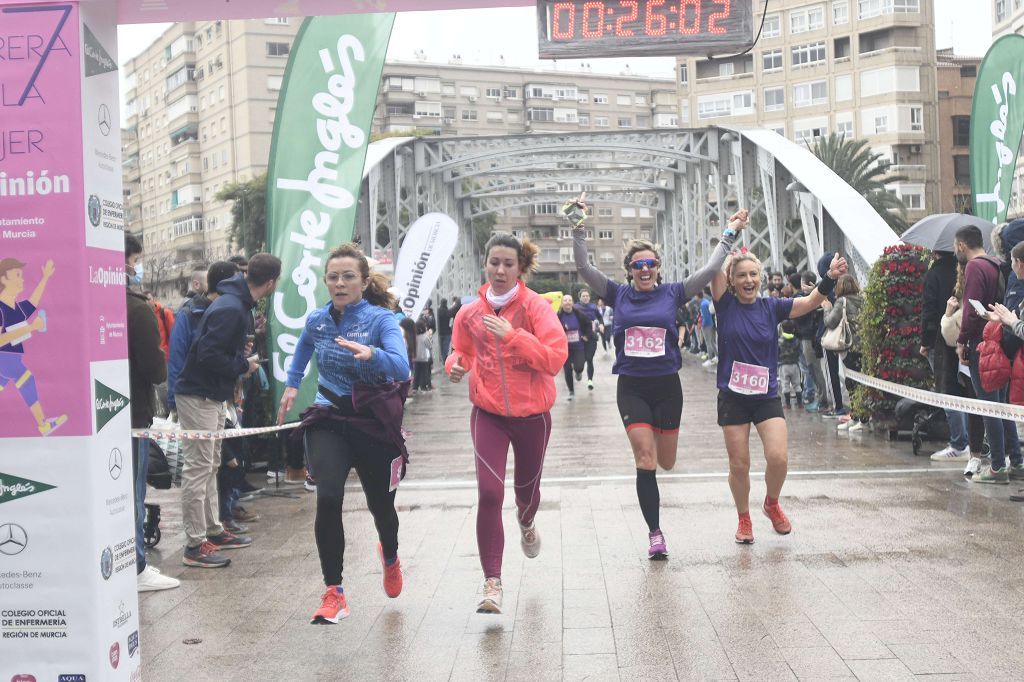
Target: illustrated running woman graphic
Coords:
[(15, 329)]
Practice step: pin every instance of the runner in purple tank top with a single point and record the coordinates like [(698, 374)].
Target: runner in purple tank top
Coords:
[(748, 378), (647, 357)]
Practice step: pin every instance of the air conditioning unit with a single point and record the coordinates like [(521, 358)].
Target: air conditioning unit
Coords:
[(915, 149), (420, 93), (472, 98)]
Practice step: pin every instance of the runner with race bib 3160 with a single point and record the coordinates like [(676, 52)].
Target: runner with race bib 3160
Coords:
[(748, 392)]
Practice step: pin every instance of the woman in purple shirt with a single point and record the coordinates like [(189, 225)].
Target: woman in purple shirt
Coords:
[(577, 334), (647, 358), (748, 365)]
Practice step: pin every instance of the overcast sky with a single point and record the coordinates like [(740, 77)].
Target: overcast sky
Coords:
[(484, 36)]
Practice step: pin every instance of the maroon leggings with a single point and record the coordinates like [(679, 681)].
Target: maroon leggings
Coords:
[(491, 437)]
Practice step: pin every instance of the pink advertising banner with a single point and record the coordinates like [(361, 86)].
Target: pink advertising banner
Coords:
[(44, 364), (147, 11)]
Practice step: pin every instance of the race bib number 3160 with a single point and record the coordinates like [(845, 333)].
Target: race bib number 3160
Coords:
[(645, 342), (748, 379)]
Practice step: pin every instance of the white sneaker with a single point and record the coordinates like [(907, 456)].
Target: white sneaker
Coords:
[(975, 465), (530, 540), (855, 426), (714, 360), (951, 454), (491, 602), (152, 580), (707, 363), (844, 426)]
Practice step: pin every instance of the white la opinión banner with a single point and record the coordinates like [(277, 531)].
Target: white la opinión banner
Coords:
[(426, 249)]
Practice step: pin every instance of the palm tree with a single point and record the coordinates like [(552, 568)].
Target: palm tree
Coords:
[(854, 162)]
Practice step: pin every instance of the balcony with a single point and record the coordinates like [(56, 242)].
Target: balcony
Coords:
[(188, 120), (186, 133), (185, 179), (724, 79), (185, 148)]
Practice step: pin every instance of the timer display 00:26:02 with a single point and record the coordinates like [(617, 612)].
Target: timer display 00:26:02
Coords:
[(627, 18)]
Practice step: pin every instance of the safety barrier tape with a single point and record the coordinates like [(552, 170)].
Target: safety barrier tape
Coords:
[(985, 408), (179, 434)]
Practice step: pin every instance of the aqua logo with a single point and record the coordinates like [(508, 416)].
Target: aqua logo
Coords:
[(94, 210), (106, 563)]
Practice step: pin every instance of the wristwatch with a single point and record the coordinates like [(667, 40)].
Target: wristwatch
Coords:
[(729, 232)]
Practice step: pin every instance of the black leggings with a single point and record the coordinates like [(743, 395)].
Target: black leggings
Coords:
[(574, 362), (832, 360), (332, 451), (589, 348)]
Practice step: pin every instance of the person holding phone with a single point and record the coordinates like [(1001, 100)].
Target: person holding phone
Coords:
[(983, 286), (356, 419), (647, 357), (748, 378), (218, 356)]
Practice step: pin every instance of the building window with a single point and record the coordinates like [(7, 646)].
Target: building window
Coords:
[(640, 100), (810, 94), (771, 60), (278, 49), (916, 119), (535, 114), (492, 93), (962, 203), (726, 69), (469, 115), (890, 79), (866, 9), (277, 21), (625, 122), (844, 88), (623, 100), (511, 93), (807, 19), (604, 213), (545, 209), (962, 169), (604, 234), (962, 131), (584, 119), (600, 99), (774, 99), (912, 195), (809, 135), (845, 129), (803, 55), (684, 73), (772, 26), (601, 121), (881, 124), (840, 12), (607, 257)]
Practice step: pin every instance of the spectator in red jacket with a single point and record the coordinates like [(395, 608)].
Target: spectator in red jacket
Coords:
[(164, 321)]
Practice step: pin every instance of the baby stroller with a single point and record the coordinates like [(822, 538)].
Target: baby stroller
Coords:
[(922, 421), (158, 475)]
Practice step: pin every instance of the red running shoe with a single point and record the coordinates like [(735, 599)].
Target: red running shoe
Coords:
[(778, 519), (333, 607), (392, 579), (745, 531)]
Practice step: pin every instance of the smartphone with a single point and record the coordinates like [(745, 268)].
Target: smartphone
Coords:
[(978, 307), (249, 338)]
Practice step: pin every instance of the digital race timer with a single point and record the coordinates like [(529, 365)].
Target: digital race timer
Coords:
[(613, 28)]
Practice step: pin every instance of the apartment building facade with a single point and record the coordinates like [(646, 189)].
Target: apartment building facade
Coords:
[(864, 68), (956, 78), (200, 113), (1007, 18)]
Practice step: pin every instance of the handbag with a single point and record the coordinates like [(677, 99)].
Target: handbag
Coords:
[(840, 338)]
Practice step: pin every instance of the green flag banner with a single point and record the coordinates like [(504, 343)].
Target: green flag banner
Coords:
[(321, 132), (997, 123)]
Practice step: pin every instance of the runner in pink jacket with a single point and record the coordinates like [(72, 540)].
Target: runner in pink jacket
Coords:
[(511, 344)]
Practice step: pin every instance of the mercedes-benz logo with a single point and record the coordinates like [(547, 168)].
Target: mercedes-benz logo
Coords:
[(103, 119), (13, 539), (115, 464)]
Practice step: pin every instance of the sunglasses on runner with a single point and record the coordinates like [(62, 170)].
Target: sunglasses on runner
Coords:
[(641, 263)]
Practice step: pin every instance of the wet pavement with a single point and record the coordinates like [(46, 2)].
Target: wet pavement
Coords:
[(896, 568)]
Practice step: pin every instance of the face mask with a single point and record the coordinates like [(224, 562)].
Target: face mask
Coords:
[(137, 277)]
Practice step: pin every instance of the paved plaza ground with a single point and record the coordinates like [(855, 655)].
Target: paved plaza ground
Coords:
[(896, 568)]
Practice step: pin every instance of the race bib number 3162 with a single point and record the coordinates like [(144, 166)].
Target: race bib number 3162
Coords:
[(645, 342), (748, 379)]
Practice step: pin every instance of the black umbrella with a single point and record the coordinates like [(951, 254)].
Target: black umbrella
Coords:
[(936, 232)]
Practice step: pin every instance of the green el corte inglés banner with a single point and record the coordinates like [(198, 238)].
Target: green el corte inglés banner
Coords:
[(997, 122), (321, 132)]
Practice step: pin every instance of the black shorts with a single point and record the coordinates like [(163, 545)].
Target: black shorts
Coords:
[(735, 409), (654, 403)]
